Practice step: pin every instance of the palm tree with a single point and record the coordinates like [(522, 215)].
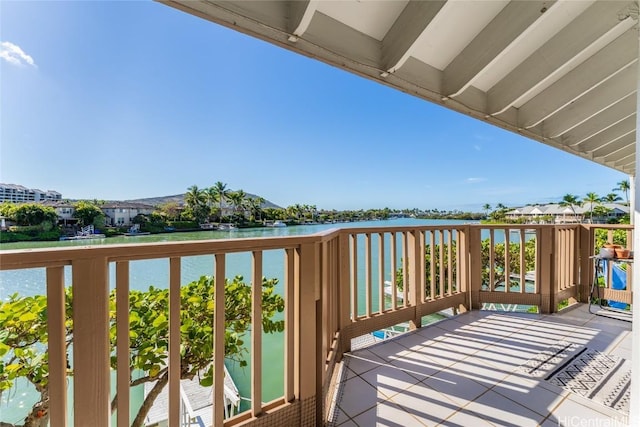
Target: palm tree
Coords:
[(624, 187), (611, 198), (486, 207), (194, 197), (221, 194), (195, 200), (570, 200), (591, 198), (255, 206), (211, 196), (237, 199)]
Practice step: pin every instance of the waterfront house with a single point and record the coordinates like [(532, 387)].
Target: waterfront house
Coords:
[(121, 214), (64, 210), (566, 214), (563, 73)]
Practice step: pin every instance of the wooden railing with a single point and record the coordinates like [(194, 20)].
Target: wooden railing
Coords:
[(337, 285), (592, 237)]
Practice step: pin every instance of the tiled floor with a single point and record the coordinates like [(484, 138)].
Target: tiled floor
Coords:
[(463, 371)]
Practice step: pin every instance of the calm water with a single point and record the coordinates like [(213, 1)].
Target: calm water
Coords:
[(156, 272)]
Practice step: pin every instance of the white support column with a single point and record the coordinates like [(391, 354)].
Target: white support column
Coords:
[(632, 196), (634, 406)]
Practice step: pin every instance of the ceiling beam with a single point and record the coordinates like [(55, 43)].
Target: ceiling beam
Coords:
[(615, 57), (608, 136), (592, 30), (601, 121), (604, 96), (623, 147), (503, 30), (628, 162), (300, 14), (400, 40)]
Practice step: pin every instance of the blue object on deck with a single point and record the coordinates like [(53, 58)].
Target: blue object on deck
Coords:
[(378, 334), (619, 283)]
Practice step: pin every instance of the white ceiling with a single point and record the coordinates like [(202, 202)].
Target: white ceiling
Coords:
[(561, 72)]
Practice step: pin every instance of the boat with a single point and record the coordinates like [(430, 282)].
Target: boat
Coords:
[(196, 402), (135, 231), (227, 227), (208, 226), (277, 224), (85, 233), (388, 291)]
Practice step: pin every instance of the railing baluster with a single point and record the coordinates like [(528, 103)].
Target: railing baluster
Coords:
[(393, 255), (289, 328), (219, 340), (422, 268), (450, 264), (492, 260), (174, 341), (507, 261), (56, 332), (122, 342), (432, 266), (441, 263), (354, 276), (523, 261), (367, 273), (256, 334), (381, 272), (405, 269)]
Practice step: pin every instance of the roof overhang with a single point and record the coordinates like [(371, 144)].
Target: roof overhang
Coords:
[(564, 73)]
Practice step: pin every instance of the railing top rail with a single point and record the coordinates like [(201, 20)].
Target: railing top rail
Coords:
[(609, 226), (401, 228), (33, 258)]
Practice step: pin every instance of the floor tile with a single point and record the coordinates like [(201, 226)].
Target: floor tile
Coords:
[(539, 399), (363, 362), (387, 414), (465, 418), (500, 411), (456, 388), (357, 396), (388, 380), (426, 404)]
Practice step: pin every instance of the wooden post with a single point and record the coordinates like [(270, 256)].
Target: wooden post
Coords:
[(585, 250), (344, 291), (57, 349), (91, 350), (413, 273), (545, 274), (309, 370), (475, 266), (463, 264)]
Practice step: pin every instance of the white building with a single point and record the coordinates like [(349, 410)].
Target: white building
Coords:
[(15, 193), (567, 214), (121, 214)]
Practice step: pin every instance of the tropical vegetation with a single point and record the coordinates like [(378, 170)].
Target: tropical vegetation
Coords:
[(23, 337)]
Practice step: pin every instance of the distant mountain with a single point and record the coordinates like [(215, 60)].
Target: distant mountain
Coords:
[(179, 199)]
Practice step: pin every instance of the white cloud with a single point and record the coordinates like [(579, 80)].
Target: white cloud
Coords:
[(13, 54), (483, 137), (475, 180)]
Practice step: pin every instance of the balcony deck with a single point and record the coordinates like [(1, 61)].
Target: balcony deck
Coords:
[(467, 370)]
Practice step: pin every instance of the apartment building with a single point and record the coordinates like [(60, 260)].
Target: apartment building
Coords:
[(15, 193)]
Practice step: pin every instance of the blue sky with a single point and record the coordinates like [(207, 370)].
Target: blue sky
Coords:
[(124, 100)]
